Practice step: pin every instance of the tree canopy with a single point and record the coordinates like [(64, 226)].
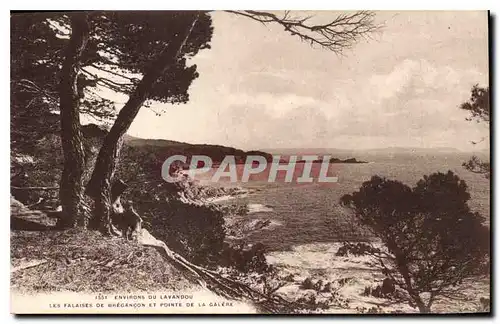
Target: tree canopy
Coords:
[(478, 106), (121, 47), (145, 56), (431, 240)]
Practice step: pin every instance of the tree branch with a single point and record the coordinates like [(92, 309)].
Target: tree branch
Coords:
[(112, 85), (35, 188), (114, 73), (339, 34)]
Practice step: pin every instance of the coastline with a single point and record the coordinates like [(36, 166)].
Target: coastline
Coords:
[(350, 276)]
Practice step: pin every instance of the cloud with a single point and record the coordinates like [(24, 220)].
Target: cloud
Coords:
[(416, 100), (259, 87), (419, 77)]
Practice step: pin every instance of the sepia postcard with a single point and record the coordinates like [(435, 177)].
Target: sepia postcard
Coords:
[(250, 162)]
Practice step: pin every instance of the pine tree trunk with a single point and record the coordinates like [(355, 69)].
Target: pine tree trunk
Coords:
[(99, 186), (72, 189)]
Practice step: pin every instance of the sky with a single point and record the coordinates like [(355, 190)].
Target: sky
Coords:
[(260, 87)]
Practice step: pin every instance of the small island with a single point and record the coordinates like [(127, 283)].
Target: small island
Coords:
[(333, 160), (350, 160)]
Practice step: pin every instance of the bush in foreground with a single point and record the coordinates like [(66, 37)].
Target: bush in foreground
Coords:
[(431, 240)]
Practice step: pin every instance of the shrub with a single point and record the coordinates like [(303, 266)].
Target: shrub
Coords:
[(245, 258), (194, 231)]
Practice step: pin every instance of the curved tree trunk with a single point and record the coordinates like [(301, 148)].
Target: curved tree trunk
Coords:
[(72, 189), (99, 186)]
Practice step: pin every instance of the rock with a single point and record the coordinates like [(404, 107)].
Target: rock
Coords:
[(377, 292), (318, 285), (307, 284), (485, 304), (23, 218), (388, 286), (328, 287)]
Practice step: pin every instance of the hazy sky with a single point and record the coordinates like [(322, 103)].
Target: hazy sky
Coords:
[(260, 87)]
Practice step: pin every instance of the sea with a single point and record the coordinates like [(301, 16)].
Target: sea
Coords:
[(307, 223), (310, 213)]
